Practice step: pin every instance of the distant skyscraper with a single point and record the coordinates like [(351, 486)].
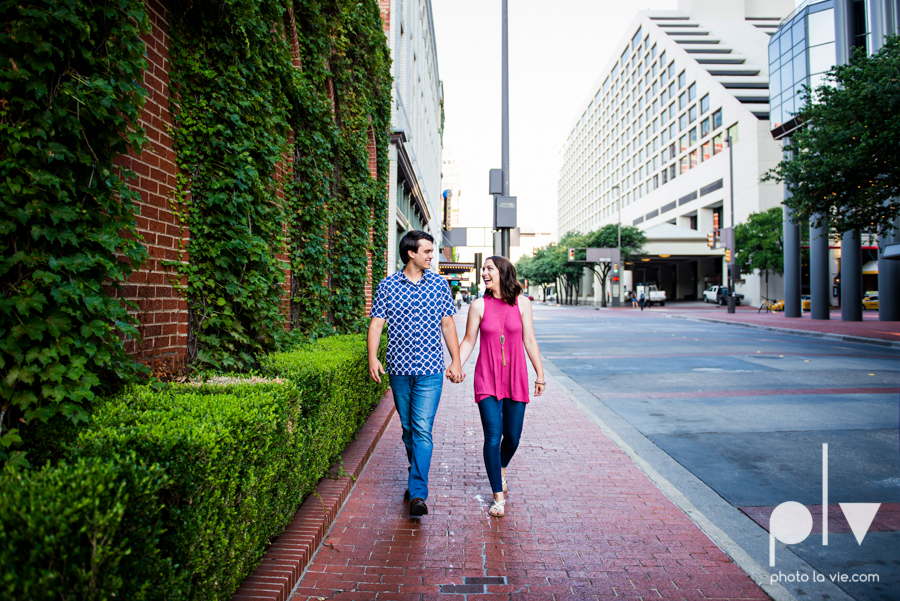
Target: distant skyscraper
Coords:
[(450, 187), (653, 134)]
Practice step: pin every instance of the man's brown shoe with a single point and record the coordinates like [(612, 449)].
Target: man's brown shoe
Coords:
[(418, 507)]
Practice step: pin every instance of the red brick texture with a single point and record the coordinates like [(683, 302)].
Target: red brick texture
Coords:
[(162, 313), (582, 522)]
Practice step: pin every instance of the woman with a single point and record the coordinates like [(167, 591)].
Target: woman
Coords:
[(501, 376)]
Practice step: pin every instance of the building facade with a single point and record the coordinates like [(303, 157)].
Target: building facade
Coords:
[(842, 267), (417, 120), (650, 143)]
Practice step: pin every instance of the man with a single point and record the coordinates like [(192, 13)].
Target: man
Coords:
[(418, 307)]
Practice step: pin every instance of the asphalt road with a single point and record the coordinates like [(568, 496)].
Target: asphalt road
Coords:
[(734, 421)]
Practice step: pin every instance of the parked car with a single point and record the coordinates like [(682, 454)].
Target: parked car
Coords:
[(806, 302), (528, 296), (870, 302), (651, 293), (719, 295)]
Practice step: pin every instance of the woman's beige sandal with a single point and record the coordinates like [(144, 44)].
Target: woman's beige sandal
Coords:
[(497, 509), (505, 487)]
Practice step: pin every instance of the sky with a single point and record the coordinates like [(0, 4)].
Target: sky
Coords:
[(556, 52)]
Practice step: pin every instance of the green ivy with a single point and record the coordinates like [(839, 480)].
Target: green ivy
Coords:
[(230, 77), (238, 98), (335, 200), (70, 99)]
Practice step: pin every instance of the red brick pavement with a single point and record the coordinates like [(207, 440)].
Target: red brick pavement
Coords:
[(582, 522)]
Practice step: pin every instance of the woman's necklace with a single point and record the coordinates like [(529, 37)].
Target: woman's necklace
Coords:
[(502, 328)]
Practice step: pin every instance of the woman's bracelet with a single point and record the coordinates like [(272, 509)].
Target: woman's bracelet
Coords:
[(541, 383)]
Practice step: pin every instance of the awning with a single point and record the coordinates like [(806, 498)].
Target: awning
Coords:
[(870, 268)]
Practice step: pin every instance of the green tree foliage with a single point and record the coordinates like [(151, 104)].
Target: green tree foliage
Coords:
[(633, 241), (69, 105), (760, 242), (845, 168)]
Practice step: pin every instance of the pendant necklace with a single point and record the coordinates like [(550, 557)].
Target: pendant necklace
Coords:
[(502, 328)]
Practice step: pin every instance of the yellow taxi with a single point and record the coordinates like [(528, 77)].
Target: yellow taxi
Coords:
[(870, 302), (806, 302)]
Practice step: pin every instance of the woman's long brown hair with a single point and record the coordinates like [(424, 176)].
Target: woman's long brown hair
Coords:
[(510, 287)]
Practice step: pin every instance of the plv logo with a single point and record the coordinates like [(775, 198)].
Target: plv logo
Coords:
[(791, 522)]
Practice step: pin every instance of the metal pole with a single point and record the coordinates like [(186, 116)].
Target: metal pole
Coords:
[(504, 232), (733, 262)]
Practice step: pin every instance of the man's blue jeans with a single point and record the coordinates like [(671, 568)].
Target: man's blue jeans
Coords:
[(416, 399)]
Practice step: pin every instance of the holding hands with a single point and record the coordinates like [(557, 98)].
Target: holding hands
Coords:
[(455, 373)]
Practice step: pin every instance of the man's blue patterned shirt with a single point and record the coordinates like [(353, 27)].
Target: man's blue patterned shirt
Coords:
[(413, 313)]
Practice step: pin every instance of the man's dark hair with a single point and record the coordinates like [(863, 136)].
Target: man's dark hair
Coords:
[(410, 243)]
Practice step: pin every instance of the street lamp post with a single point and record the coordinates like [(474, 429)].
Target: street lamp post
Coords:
[(504, 134), (733, 261)]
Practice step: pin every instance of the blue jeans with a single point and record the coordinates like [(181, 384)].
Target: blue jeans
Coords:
[(502, 424), (416, 399)]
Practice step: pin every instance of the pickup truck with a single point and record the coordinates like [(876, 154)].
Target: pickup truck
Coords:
[(651, 294), (719, 295)]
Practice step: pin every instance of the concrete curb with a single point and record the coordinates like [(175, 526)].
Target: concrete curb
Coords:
[(287, 558), (640, 449), (828, 335)]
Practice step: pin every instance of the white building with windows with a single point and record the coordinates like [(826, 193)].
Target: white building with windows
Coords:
[(417, 122), (652, 136)]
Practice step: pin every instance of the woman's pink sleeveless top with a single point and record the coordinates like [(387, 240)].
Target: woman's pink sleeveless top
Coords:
[(491, 378)]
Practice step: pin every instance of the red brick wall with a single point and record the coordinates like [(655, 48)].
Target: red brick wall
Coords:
[(162, 313)]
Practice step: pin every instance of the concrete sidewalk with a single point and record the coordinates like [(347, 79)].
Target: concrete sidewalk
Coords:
[(582, 522)]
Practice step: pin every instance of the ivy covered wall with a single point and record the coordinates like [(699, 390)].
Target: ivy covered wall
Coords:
[(200, 179)]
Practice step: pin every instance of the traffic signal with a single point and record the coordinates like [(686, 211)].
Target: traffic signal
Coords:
[(615, 268), (571, 254), (728, 255), (711, 239), (615, 278)]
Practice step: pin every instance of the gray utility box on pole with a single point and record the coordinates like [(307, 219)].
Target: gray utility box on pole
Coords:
[(496, 183), (504, 212)]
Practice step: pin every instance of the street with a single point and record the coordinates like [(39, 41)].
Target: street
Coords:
[(731, 422)]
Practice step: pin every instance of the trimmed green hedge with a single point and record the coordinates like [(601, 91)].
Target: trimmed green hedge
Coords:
[(232, 462)]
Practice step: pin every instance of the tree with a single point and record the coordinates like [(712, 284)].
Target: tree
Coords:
[(760, 243), (538, 269), (845, 167), (633, 240)]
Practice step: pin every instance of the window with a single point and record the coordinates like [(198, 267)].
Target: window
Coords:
[(692, 113), (655, 125), (671, 71), (718, 144), (672, 132), (663, 79), (682, 122), (672, 170), (733, 132), (655, 162), (672, 111), (692, 92), (655, 86), (665, 176), (672, 151), (664, 96), (683, 164), (704, 104), (692, 136), (693, 157), (672, 90), (654, 69), (683, 143), (662, 58), (655, 144), (682, 101), (655, 182), (704, 128), (663, 136), (706, 151), (682, 79), (653, 51), (717, 119)]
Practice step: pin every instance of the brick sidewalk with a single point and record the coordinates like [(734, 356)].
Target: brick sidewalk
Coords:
[(582, 522)]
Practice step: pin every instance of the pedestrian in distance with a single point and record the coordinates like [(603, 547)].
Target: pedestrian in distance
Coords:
[(642, 301), (504, 319), (418, 307), (634, 302)]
